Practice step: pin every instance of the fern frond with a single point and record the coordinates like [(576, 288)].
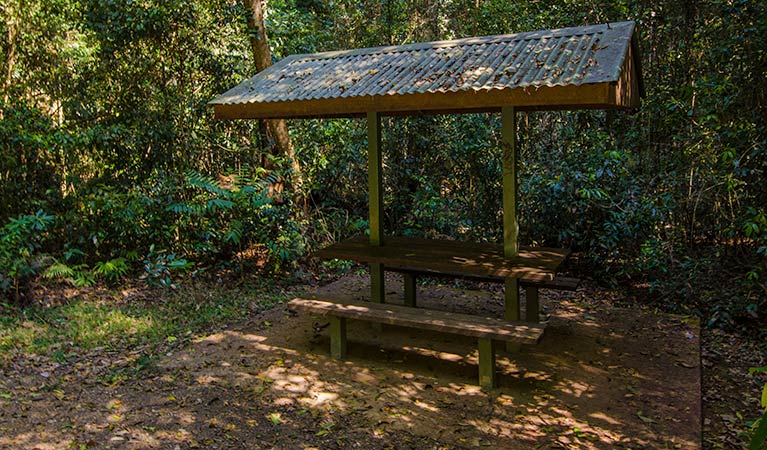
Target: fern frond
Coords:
[(219, 203), (58, 270), (185, 208), (78, 275), (84, 278), (271, 178), (196, 179), (113, 269), (234, 234)]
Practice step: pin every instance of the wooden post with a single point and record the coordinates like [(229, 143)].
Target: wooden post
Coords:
[(486, 363), (533, 304), (409, 282), (337, 337), (510, 223), (375, 200), (509, 144)]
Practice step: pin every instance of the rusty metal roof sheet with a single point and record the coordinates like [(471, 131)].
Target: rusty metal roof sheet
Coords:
[(447, 75)]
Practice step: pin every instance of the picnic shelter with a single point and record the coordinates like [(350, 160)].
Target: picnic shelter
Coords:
[(589, 67)]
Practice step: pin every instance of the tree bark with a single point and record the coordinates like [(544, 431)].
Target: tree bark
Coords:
[(10, 60), (276, 130)]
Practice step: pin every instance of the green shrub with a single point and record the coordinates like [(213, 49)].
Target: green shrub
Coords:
[(160, 267), (30, 148), (759, 437), (217, 220), (20, 240)]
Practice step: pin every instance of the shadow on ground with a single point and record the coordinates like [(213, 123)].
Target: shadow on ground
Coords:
[(598, 379)]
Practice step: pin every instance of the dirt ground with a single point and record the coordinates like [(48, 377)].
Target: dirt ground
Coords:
[(600, 378)]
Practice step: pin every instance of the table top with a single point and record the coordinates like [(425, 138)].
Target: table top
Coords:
[(534, 264)]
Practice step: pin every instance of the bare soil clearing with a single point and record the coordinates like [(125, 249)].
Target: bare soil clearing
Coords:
[(600, 378)]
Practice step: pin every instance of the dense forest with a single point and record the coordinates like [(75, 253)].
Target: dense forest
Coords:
[(113, 169), (112, 165)]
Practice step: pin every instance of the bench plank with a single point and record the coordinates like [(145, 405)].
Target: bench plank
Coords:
[(559, 283), (441, 321), (533, 264)]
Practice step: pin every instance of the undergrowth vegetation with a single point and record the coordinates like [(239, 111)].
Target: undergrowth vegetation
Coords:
[(129, 318)]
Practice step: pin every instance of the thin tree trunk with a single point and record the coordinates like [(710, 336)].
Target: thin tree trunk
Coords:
[(276, 130), (475, 18), (10, 60)]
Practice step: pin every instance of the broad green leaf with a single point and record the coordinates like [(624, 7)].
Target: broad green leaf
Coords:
[(760, 435)]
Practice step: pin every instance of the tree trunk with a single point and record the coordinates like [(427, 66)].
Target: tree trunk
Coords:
[(13, 28), (276, 130)]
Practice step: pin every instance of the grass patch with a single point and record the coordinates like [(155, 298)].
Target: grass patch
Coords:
[(108, 320)]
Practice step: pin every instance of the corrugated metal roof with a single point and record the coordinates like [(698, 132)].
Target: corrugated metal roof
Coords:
[(355, 79)]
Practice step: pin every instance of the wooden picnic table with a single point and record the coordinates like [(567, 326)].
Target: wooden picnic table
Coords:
[(532, 267), (481, 260)]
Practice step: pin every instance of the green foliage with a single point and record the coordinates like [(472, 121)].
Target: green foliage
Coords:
[(19, 261), (160, 267), (759, 437), (755, 229), (105, 127), (230, 216), (113, 269), (77, 275), (29, 148), (87, 323), (594, 202)]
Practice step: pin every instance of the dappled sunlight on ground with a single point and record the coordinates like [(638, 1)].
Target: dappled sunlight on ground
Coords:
[(610, 379)]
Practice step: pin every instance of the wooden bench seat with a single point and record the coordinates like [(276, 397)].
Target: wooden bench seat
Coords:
[(486, 330)]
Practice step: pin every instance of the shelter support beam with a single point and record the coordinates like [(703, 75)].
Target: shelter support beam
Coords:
[(509, 144), (510, 223), (375, 199)]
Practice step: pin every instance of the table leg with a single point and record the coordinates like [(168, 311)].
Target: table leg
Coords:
[(511, 297), (532, 305), (511, 294), (377, 288), (410, 289)]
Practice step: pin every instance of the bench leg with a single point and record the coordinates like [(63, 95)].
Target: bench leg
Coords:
[(337, 337), (377, 289), (486, 363), (511, 297), (409, 281), (533, 304)]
